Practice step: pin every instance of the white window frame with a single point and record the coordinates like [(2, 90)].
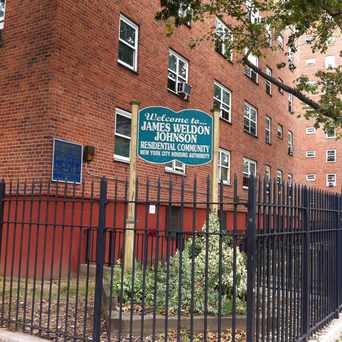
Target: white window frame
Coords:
[(176, 167), (310, 154), (223, 32), (253, 13), (122, 112), (227, 107), (269, 35), (328, 182), (331, 136), (184, 11), (290, 143), (268, 130), (250, 73), (248, 173), (280, 41), (134, 47), (329, 62), (282, 131), (310, 130), (310, 61), (178, 78), (290, 103), (279, 176), (310, 177), (268, 172), (2, 19), (333, 152), (221, 166), (247, 115), (268, 84)]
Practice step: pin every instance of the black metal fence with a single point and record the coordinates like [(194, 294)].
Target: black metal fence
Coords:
[(297, 261), (75, 266)]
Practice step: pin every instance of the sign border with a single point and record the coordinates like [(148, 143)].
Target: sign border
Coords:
[(178, 112), (53, 158)]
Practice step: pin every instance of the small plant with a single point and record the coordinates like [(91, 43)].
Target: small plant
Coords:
[(205, 262)]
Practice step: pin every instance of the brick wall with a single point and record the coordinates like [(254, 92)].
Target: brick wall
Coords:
[(73, 86)]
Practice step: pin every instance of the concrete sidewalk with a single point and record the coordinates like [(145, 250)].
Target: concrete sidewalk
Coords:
[(9, 336), (332, 333)]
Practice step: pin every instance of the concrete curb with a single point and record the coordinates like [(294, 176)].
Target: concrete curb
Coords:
[(10, 336)]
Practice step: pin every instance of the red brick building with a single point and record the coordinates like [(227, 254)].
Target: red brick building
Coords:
[(319, 153), (70, 70)]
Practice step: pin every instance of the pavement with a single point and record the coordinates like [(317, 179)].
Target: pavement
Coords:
[(332, 333), (9, 336)]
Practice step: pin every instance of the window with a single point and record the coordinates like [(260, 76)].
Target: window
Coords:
[(268, 130), (178, 71), (279, 176), (310, 130), (311, 178), (331, 180), (310, 61), (174, 224), (280, 131), (281, 91), (250, 119), (249, 169), (331, 156), (250, 72), (253, 12), (223, 99), (329, 62), (331, 133), (223, 36), (224, 166), (175, 166), (291, 58), (308, 39), (310, 154), (280, 41), (128, 43), (290, 179), (2, 14), (268, 84), (269, 35), (185, 13), (122, 135), (267, 172), (290, 103), (290, 143)]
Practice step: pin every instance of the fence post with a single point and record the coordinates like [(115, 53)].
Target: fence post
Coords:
[(306, 261), (100, 260), (251, 257), (338, 253), (2, 205)]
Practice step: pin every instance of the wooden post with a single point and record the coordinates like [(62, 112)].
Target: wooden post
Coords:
[(130, 222), (216, 146)]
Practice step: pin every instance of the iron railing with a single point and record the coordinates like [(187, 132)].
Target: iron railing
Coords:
[(258, 269)]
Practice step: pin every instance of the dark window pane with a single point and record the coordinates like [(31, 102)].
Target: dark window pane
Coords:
[(123, 125), (122, 146), (127, 33), (171, 84), (126, 54)]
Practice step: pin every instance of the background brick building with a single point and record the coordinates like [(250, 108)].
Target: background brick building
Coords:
[(67, 71), (319, 153)]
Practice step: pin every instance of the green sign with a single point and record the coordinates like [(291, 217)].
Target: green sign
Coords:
[(165, 135)]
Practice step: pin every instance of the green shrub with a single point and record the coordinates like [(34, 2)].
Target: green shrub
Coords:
[(193, 255)]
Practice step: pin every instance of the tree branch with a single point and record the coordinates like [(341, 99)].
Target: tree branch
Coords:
[(299, 95)]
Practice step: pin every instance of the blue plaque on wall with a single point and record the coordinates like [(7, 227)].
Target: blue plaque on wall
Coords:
[(67, 161)]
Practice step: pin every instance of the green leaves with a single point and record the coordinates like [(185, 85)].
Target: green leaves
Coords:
[(209, 246)]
